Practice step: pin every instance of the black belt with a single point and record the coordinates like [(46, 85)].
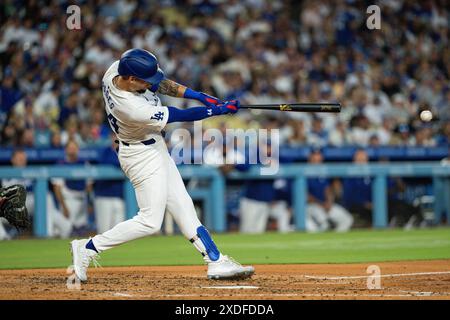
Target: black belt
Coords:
[(146, 142)]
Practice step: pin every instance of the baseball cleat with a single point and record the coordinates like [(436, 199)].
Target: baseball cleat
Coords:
[(226, 268), (81, 258)]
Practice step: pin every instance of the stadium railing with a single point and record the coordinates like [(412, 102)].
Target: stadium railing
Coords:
[(439, 172), (289, 154), (213, 196)]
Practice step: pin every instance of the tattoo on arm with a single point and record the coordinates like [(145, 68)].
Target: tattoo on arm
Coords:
[(171, 88)]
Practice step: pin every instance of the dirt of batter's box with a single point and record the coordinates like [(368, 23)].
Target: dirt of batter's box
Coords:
[(398, 280)]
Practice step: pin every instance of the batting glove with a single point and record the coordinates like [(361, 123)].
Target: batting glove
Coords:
[(228, 107), (208, 100)]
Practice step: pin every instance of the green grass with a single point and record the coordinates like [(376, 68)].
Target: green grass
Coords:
[(269, 248)]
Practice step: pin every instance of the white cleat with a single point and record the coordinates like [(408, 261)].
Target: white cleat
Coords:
[(82, 257), (226, 268)]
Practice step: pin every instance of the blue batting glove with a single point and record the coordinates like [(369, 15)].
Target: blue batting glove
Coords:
[(226, 108), (208, 100), (204, 98)]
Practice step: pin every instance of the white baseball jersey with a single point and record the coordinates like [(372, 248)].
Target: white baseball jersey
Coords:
[(134, 117)]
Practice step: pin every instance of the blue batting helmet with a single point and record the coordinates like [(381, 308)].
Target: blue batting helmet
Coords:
[(140, 64)]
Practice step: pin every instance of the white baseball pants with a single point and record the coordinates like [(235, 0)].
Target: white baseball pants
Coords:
[(76, 202), (57, 223), (158, 185), (3, 234), (254, 215), (317, 219), (109, 211), (281, 213)]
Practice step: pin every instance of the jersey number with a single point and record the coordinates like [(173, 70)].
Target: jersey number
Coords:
[(113, 123)]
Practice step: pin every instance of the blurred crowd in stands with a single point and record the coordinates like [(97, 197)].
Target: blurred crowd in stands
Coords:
[(257, 51)]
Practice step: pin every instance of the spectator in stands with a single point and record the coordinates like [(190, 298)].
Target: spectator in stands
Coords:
[(58, 225), (298, 136), (109, 206), (9, 93), (46, 104), (375, 111), (340, 136), (318, 135), (55, 139), (26, 138), (444, 136), (374, 141), (443, 105), (72, 194), (400, 111), (322, 213), (422, 137), (262, 59), (360, 133), (6, 55), (69, 109), (99, 129), (71, 132), (384, 133), (87, 135), (402, 135)]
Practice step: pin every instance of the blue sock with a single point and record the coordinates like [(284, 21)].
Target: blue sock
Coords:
[(90, 245)]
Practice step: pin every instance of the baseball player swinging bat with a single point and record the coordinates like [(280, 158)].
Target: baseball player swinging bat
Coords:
[(137, 117), (297, 107)]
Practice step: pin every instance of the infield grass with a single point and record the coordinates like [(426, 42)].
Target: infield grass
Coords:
[(269, 248)]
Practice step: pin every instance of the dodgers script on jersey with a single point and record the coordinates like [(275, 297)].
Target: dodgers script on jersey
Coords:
[(133, 117)]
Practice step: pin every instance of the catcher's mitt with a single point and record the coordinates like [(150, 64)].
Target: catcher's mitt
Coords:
[(12, 206)]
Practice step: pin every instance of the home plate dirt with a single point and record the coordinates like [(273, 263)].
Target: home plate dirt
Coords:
[(397, 280)]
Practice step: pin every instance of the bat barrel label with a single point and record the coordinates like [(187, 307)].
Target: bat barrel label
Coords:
[(285, 107)]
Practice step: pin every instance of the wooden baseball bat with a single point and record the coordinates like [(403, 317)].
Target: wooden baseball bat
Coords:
[(297, 107)]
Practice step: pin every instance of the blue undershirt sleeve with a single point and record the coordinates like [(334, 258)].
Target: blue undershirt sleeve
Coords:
[(191, 94), (191, 114)]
